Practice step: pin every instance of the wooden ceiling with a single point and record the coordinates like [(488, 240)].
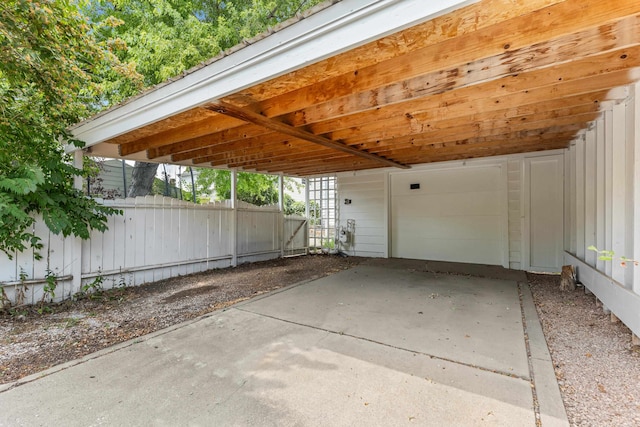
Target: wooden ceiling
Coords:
[(494, 78)]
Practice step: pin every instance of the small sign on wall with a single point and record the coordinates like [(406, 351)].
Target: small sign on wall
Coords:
[(414, 186)]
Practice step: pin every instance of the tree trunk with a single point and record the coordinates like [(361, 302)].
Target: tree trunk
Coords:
[(142, 179)]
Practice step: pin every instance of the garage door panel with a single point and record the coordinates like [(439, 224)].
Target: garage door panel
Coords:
[(465, 250), (455, 215)]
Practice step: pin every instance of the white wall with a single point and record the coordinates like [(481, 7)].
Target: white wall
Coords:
[(458, 212), (371, 198), (602, 207), (368, 192)]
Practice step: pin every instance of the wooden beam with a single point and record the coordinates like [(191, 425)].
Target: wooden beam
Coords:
[(460, 23), (466, 101), (256, 143), (225, 136), (255, 160), (469, 128), (177, 121), (488, 53), (599, 65), (323, 167), (378, 98), (202, 127), (279, 152), (567, 132), (473, 130), (255, 118), (515, 149)]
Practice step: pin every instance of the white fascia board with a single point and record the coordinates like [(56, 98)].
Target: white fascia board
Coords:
[(336, 29)]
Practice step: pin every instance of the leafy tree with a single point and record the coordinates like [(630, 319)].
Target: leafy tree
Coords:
[(254, 188), (50, 69), (165, 37)]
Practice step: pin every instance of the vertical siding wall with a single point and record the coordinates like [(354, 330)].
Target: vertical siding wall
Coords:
[(368, 192), (156, 238), (602, 208)]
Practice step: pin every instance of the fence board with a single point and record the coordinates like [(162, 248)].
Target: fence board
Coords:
[(156, 238)]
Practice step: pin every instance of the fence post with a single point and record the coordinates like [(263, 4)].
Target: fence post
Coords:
[(76, 263), (234, 218), (307, 213), (281, 208)]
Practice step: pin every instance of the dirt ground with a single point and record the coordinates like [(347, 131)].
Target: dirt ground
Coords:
[(597, 368), (31, 342)]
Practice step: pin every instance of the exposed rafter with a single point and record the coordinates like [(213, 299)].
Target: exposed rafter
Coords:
[(492, 78), (258, 119)]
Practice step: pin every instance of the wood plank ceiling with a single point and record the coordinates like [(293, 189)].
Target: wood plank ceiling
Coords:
[(494, 78)]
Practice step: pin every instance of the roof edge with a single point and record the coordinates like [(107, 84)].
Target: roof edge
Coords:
[(335, 28)]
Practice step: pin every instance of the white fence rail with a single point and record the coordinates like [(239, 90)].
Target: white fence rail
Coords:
[(156, 238)]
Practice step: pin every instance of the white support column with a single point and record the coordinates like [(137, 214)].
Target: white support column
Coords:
[(600, 199), (608, 185), (307, 212), (281, 208), (234, 218), (76, 266), (629, 187), (568, 195), (572, 206), (618, 207), (635, 137), (590, 196), (580, 199)]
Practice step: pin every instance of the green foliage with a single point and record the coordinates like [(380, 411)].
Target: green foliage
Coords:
[(161, 37), (608, 255), (254, 188), (50, 65), (91, 290), (49, 290)]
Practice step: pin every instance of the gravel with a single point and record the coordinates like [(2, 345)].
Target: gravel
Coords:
[(598, 369)]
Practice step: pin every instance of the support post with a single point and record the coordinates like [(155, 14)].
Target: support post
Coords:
[(635, 136), (281, 208), (234, 218), (194, 199), (76, 264), (307, 212), (124, 178)]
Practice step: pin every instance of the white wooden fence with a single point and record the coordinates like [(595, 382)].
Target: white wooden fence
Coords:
[(156, 238)]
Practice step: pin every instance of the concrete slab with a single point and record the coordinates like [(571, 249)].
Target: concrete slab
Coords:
[(337, 351), (475, 321)]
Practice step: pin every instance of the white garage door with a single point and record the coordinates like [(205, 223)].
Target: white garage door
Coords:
[(449, 215)]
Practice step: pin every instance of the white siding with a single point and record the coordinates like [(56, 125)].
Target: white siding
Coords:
[(603, 204), (371, 196), (368, 194)]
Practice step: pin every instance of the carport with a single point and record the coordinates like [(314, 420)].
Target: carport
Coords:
[(446, 123), (388, 342), (489, 132)]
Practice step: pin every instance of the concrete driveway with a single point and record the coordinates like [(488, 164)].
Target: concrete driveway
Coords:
[(389, 342)]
